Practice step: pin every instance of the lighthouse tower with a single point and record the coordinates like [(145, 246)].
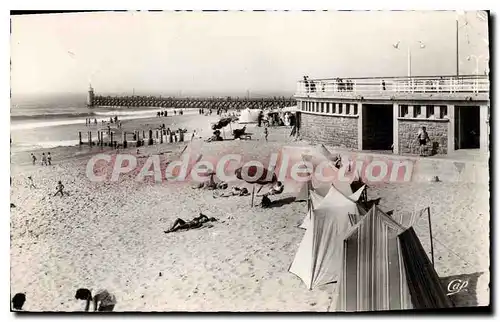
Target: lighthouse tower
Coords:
[(90, 96)]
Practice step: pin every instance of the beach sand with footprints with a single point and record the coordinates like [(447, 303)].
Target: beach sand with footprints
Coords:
[(110, 235)]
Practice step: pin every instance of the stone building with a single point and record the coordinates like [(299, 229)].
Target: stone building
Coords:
[(386, 113)]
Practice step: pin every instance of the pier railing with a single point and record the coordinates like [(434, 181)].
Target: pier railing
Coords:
[(471, 85)]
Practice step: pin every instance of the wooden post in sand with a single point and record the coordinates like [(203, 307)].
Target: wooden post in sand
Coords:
[(102, 138), (90, 138), (253, 193), (161, 136), (124, 139), (150, 137), (80, 137), (430, 233), (111, 139)]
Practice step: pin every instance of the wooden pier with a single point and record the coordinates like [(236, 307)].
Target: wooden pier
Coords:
[(189, 102)]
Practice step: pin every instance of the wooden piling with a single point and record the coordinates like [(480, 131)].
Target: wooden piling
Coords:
[(80, 138), (124, 139), (161, 136), (90, 138), (111, 138), (150, 137), (102, 138)]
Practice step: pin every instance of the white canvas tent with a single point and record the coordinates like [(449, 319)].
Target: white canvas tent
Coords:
[(249, 116), (354, 197), (291, 109), (318, 259)]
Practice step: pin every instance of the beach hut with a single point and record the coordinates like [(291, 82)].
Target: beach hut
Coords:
[(318, 259), (249, 116), (385, 267)]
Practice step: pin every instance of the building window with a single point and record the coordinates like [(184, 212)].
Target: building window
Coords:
[(429, 110), (341, 106), (443, 112), (348, 109), (317, 106), (417, 110), (328, 107), (403, 110), (355, 109), (322, 107)]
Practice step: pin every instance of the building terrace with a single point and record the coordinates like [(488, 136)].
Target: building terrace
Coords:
[(385, 113)]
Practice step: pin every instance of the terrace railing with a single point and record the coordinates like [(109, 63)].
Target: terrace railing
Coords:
[(394, 86)]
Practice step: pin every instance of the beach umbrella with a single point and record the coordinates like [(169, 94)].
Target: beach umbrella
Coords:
[(249, 175)]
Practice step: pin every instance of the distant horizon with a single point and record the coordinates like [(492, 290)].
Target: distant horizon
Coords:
[(18, 98), (200, 53)]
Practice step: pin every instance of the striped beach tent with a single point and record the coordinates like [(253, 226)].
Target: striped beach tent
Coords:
[(318, 260), (385, 267)]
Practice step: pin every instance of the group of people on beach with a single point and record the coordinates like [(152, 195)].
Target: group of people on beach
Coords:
[(46, 159), (88, 121), (162, 114), (103, 300)]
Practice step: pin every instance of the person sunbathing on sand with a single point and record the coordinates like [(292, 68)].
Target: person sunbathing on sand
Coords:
[(276, 189), (235, 191), (196, 222), (106, 300)]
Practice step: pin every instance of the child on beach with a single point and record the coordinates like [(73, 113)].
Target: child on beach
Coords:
[(49, 159), (33, 157), (59, 188), (18, 301), (422, 137), (31, 183), (106, 300), (44, 159), (266, 133)]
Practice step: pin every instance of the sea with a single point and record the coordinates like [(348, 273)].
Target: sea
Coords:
[(47, 122)]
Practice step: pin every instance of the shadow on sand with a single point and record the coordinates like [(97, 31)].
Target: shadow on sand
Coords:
[(281, 202)]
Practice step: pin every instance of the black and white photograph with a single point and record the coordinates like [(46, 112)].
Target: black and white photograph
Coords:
[(249, 161)]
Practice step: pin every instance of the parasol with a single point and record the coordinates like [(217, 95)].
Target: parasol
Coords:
[(249, 175)]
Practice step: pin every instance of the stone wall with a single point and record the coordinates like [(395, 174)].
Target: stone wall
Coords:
[(408, 130), (332, 130)]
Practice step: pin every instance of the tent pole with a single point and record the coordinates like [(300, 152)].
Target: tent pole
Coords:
[(430, 232), (253, 193)]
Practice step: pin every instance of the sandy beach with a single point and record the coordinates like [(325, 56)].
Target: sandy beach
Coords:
[(110, 235)]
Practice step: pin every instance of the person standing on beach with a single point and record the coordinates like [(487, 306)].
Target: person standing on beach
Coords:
[(266, 133), (44, 159), (49, 158), (30, 182), (423, 138), (59, 188), (33, 157), (106, 300)]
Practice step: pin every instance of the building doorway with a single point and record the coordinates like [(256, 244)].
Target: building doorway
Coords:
[(467, 127), (377, 127)]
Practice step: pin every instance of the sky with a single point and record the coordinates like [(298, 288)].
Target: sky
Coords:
[(210, 53)]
